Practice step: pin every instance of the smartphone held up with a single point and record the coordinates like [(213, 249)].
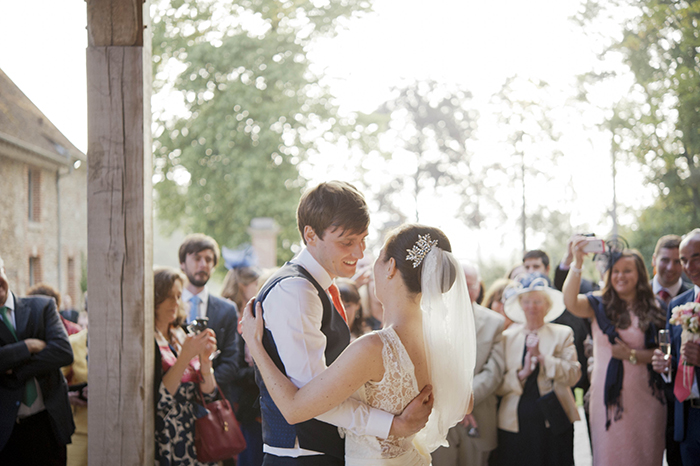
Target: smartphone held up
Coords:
[(594, 245)]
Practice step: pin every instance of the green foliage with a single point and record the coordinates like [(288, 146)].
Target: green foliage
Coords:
[(656, 221), (252, 111), (658, 123)]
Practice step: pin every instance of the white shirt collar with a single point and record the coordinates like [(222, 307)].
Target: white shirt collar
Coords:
[(10, 301), (673, 290), (203, 296), (697, 291), (306, 260)]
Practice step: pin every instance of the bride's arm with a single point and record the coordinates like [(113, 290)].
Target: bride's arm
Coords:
[(359, 363)]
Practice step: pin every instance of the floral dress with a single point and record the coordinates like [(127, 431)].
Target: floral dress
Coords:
[(176, 413)]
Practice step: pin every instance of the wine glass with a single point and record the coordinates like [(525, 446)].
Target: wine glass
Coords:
[(665, 344), (199, 325)]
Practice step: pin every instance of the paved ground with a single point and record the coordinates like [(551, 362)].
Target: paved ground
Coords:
[(582, 446)]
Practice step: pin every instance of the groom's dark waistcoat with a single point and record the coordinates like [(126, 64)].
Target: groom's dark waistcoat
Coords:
[(312, 434)]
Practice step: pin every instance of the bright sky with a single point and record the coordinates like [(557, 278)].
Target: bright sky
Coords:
[(463, 42)]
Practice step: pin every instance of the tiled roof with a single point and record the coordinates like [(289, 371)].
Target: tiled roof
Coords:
[(23, 124)]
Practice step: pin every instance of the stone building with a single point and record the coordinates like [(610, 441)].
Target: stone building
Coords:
[(43, 199)]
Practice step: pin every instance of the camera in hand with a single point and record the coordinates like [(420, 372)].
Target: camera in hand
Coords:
[(198, 325)]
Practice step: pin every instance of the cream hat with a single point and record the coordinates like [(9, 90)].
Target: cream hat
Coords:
[(526, 284)]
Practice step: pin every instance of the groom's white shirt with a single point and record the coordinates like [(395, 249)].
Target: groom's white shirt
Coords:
[(293, 313)]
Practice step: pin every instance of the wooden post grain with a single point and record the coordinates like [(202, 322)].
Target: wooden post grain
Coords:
[(120, 257)]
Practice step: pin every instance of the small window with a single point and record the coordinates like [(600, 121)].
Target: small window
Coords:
[(71, 279), (34, 271), (34, 195)]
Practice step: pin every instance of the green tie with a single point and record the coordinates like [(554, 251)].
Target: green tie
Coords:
[(30, 393), (6, 319)]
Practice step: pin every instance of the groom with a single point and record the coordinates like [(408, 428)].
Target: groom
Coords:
[(306, 330)]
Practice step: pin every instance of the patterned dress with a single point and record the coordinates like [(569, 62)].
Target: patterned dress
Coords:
[(175, 415), (391, 394)]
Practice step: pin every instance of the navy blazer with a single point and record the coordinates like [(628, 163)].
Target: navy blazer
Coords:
[(35, 317), (223, 319), (681, 409), (684, 287)]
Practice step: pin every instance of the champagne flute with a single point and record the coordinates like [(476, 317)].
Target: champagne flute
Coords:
[(665, 344), (199, 325)]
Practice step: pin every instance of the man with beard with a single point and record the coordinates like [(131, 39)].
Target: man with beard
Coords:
[(198, 256)]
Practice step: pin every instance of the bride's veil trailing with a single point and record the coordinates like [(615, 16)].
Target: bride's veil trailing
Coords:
[(450, 343)]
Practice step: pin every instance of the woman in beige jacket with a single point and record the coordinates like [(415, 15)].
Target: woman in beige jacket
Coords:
[(537, 411)]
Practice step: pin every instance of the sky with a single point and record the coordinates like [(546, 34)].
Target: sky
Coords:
[(475, 45)]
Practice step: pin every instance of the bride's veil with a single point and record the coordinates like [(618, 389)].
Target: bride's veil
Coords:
[(450, 343)]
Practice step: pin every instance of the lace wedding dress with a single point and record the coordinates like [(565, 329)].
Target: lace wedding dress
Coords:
[(396, 390)]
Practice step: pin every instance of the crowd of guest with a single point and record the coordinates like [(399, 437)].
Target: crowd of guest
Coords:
[(540, 336)]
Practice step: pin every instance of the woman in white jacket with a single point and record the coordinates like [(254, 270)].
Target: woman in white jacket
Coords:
[(537, 409)]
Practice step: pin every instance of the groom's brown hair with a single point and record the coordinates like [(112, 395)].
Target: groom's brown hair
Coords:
[(334, 204)]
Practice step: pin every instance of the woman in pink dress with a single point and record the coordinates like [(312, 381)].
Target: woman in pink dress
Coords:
[(627, 405)]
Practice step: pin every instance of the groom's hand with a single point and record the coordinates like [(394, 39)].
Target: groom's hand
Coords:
[(415, 416)]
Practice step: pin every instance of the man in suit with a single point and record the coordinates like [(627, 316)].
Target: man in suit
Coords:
[(198, 255), (36, 421), (667, 282), (472, 440), (306, 330), (685, 358)]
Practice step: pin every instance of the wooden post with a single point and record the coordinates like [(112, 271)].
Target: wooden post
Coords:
[(120, 237)]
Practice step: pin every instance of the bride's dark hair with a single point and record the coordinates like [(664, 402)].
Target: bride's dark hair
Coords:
[(401, 240)]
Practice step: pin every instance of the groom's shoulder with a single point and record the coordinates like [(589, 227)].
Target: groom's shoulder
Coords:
[(290, 280)]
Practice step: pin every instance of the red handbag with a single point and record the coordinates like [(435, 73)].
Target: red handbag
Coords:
[(217, 436)]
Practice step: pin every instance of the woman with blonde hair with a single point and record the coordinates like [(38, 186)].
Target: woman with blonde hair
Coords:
[(493, 298)]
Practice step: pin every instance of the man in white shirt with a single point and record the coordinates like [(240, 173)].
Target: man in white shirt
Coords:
[(306, 331)]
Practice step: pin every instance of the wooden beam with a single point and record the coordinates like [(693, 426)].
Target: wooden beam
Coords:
[(120, 237), (115, 22)]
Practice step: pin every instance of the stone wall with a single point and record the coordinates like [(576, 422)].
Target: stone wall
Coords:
[(32, 245)]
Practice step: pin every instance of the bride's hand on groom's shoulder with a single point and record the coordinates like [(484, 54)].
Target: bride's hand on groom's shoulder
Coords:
[(251, 326), (415, 415)]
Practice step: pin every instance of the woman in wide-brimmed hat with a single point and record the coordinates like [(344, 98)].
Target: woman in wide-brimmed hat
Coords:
[(536, 414)]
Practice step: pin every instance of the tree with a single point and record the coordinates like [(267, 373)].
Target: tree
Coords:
[(429, 128), (251, 109), (658, 123), (526, 119)]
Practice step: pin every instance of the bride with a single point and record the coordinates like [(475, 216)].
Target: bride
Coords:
[(428, 338)]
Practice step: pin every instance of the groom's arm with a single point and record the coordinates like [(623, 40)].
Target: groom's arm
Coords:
[(293, 313)]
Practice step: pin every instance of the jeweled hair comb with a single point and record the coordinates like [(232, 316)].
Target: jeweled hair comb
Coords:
[(420, 249)]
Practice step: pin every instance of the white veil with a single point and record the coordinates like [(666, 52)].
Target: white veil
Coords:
[(450, 344)]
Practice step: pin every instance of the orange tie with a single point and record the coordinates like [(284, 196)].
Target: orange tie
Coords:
[(684, 376), (337, 302)]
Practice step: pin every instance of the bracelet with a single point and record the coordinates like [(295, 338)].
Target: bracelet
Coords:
[(575, 269), (633, 356)]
